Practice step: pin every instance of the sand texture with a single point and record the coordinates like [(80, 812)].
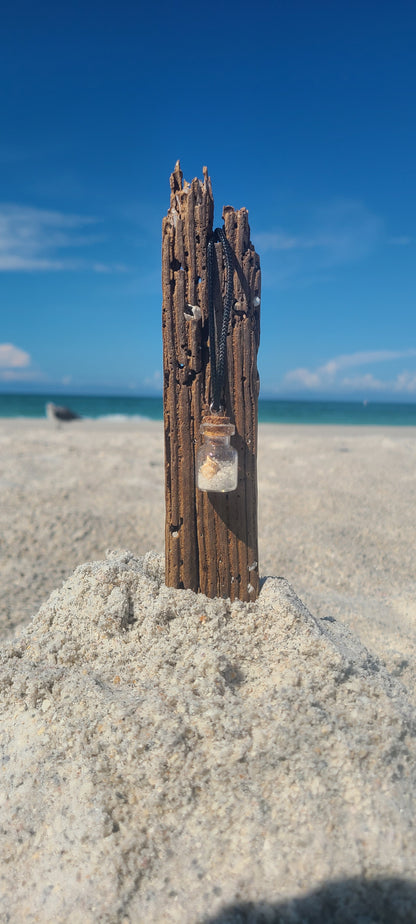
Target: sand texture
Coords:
[(165, 756), (336, 517)]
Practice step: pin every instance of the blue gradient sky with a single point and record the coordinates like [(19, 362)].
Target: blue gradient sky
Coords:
[(304, 113)]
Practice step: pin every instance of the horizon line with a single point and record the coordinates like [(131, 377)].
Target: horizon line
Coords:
[(290, 399)]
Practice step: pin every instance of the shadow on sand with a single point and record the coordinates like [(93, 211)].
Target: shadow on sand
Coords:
[(349, 901)]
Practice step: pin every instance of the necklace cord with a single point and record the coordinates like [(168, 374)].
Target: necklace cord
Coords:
[(218, 368)]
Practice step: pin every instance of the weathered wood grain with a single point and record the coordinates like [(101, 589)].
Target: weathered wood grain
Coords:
[(210, 539)]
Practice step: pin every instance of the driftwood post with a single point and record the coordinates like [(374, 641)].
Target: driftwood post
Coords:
[(211, 543)]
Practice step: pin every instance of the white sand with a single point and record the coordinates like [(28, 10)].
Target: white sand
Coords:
[(336, 517), (165, 756), (69, 493)]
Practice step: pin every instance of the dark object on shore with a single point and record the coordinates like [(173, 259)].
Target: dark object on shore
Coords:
[(55, 412)]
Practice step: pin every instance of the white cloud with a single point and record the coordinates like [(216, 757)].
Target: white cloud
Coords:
[(340, 232), (277, 240), (32, 239), (14, 263), (326, 377), (402, 240), (406, 382), (109, 268), (363, 358), (21, 375), (154, 380), (12, 357), (303, 377), (366, 382), (16, 365)]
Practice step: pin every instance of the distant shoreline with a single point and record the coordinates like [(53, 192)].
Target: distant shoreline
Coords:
[(345, 413), (135, 425)]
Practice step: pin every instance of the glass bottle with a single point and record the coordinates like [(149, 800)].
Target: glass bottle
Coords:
[(216, 460)]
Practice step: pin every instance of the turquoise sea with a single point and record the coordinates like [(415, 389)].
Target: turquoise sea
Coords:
[(270, 411)]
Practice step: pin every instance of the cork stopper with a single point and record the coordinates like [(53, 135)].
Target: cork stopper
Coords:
[(217, 425)]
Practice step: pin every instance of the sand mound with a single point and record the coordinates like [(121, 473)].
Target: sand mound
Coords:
[(165, 756)]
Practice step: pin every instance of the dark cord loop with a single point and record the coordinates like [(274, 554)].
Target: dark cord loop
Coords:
[(218, 368)]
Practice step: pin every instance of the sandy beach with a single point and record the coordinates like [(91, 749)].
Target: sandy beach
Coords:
[(169, 758), (336, 517)]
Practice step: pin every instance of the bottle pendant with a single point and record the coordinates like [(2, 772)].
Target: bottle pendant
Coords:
[(217, 460)]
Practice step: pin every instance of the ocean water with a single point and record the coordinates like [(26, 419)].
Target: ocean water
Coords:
[(270, 411)]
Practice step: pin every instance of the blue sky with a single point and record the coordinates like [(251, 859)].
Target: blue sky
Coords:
[(304, 112)]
